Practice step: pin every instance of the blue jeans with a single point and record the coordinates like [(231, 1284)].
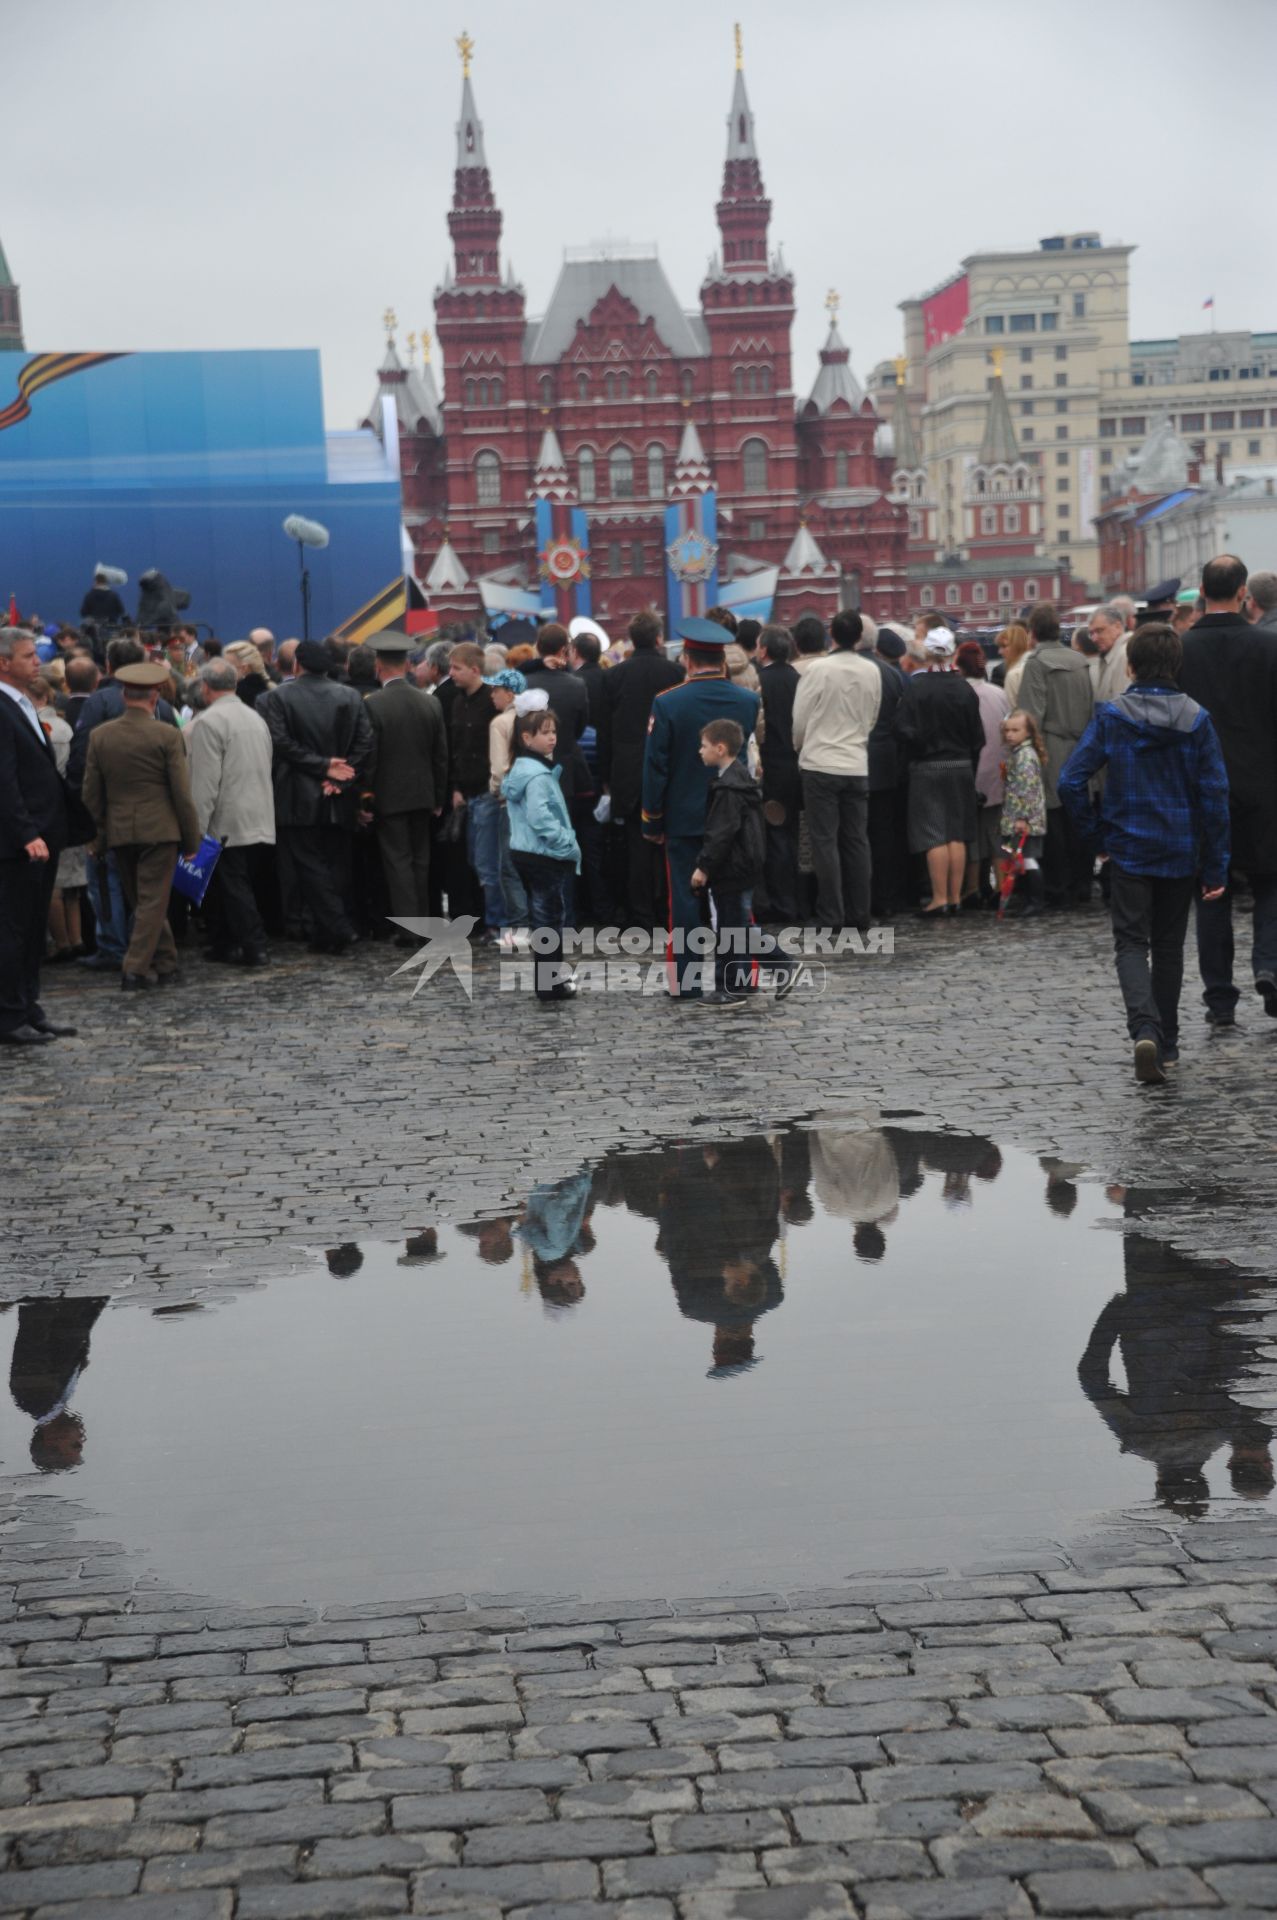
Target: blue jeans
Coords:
[(547, 889), (483, 849), (109, 906), (516, 900)]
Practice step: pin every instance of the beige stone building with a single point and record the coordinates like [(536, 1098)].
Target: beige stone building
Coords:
[(1083, 395)]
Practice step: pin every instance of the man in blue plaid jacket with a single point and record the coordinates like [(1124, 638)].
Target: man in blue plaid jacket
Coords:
[(1163, 823)]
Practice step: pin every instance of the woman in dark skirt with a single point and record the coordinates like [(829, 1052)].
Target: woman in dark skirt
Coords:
[(938, 724)]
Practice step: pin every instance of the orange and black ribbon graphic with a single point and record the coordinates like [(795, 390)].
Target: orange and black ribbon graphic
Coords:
[(41, 372)]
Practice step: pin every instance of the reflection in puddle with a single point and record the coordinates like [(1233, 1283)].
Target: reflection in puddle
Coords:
[(710, 1367)]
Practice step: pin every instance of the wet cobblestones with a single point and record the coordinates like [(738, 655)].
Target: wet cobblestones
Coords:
[(1077, 1728)]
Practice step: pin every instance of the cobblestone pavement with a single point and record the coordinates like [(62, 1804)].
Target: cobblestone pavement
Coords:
[(1088, 1728)]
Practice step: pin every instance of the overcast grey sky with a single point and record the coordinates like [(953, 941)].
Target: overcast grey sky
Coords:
[(236, 173)]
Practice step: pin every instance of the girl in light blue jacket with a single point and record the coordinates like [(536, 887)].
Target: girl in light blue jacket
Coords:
[(542, 845)]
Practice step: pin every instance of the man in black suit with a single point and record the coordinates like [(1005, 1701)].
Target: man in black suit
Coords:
[(629, 691), (322, 742), (410, 778), (34, 829), (782, 783), (1230, 668)]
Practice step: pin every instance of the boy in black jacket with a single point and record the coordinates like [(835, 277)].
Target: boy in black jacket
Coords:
[(731, 861)]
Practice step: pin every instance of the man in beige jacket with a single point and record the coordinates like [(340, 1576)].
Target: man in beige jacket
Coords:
[(229, 750), (834, 712)]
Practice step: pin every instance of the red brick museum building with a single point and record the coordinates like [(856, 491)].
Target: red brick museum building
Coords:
[(593, 403)]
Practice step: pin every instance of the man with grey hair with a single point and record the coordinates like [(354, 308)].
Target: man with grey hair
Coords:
[(430, 668), (229, 750), (264, 640), (34, 829), (1262, 602), (1107, 665), (1125, 606)]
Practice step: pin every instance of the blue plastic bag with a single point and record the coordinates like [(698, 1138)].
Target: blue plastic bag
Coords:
[(194, 873)]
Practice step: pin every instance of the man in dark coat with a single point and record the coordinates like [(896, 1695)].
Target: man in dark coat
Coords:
[(322, 741), (410, 778), (34, 829), (570, 705), (888, 795), (628, 693), (1230, 668), (103, 604), (782, 782)]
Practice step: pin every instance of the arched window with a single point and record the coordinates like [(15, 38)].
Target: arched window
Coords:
[(623, 385), (1004, 589), (951, 596), (609, 386), (738, 379), (547, 389), (469, 393), (754, 466), (840, 467), (649, 383), (765, 380), (980, 482), (1011, 519), (498, 393), (988, 519), (928, 597), (685, 383), (751, 380), (656, 472), (979, 593), (487, 476), (582, 386), (1030, 589), (915, 524), (620, 464), (586, 481), (483, 393)]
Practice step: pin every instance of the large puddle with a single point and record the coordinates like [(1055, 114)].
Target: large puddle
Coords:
[(716, 1367)]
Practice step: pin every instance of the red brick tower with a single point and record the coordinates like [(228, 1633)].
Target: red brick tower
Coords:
[(480, 320)]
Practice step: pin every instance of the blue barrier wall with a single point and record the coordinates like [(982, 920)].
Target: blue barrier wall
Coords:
[(188, 462)]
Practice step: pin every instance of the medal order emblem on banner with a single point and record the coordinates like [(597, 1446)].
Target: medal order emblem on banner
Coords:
[(692, 557), (564, 561)]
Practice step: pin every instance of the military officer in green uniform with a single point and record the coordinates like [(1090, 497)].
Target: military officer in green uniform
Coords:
[(676, 782)]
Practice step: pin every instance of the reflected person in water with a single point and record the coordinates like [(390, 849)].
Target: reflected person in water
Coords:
[(1182, 1328), (719, 1214), (555, 1229), (50, 1352), (857, 1178)]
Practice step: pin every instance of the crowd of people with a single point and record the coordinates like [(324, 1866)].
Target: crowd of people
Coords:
[(740, 776)]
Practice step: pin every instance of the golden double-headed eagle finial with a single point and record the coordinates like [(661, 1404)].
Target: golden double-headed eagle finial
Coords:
[(425, 347), (740, 47), (901, 366), (995, 355), (465, 47), (833, 301), (390, 320), (410, 340)]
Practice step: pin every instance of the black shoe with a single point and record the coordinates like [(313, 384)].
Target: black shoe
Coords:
[(221, 956), (52, 1032), (728, 1002), (255, 957), (24, 1037), (1220, 1017), (134, 982), (1148, 1062), (98, 962), (786, 984), (1266, 988)]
